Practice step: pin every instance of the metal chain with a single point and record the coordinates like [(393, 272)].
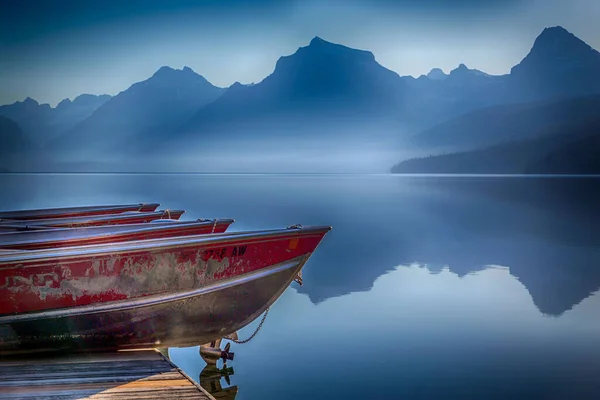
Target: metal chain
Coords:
[(255, 332)]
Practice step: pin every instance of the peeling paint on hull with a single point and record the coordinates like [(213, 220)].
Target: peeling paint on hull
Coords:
[(183, 322), (51, 283)]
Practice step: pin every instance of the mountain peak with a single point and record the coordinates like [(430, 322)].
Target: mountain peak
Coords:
[(164, 71), (317, 40), (320, 48), (64, 103), (557, 49), (554, 32), (320, 55), (557, 39), (463, 70), (31, 101), (168, 76), (319, 43), (168, 72), (324, 62), (437, 74)]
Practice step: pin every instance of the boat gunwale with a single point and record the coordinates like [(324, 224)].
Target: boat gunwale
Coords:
[(86, 218), (158, 244), (10, 229), (155, 299), (164, 221), (123, 229), (75, 209)]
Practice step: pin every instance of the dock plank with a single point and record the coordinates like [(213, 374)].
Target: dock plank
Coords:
[(144, 375)]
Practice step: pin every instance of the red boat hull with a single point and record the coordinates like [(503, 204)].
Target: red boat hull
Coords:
[(67, 237), (72, 277), (132, 217), (191, 319), (167, 292), (70, 212)]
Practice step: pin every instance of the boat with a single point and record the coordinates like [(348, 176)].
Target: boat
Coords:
[(82, 211), (129, 217), (172, 292), (68, 237)]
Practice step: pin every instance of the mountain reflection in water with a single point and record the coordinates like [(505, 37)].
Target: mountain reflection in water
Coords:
[(546, 231), (418, 334)]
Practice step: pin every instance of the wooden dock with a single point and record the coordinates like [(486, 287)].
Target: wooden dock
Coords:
[(143, 375)]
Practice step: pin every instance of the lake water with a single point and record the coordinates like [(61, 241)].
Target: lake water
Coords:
[(426, 288)]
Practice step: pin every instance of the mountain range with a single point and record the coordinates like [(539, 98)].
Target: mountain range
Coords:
[(41, 123), (149, 109), (324, 99)]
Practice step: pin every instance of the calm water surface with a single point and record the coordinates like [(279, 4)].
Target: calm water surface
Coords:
[(426, 288)]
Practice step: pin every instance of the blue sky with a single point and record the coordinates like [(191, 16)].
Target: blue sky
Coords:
[(52, 50)]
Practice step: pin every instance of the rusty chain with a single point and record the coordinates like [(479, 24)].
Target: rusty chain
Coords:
[(255, 332)]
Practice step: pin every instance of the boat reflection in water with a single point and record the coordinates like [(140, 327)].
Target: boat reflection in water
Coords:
[(210, 380)]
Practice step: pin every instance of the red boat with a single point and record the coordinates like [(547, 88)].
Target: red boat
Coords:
[(67, 237), (64, 212), (129, 217), (158, 292)]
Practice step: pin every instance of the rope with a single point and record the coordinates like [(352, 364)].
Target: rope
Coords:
[(214, 226), (255, 332), (168, 213)]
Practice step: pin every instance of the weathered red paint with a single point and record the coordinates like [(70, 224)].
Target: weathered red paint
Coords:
[(82, 280), (171, 231)]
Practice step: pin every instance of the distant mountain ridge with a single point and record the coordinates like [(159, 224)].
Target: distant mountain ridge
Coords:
[(323, 96), (324, 78), (553, 101), (508, 122), (151, 107), (42, 123), (567, 146)]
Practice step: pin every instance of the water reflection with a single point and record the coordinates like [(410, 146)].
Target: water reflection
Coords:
[(546, 231), (419, 335), (210, 379), (425, 288)]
